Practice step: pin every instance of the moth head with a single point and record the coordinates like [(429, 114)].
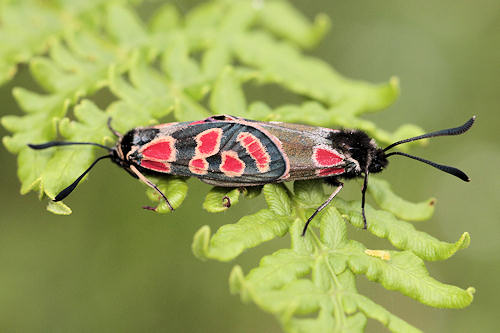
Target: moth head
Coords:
[(378, 161), (361, 150), (122, 148)]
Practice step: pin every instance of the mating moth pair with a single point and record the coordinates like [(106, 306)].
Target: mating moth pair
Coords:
[(235, 152)]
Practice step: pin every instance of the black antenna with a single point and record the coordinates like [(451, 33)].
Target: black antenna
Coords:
[(448, 169), (115, 132), (450, 131), (64, 193), (65, 143)]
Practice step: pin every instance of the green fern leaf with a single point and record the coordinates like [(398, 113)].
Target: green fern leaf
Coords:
[(232, 239), (402, 235), (174, 188), (409, 211), (26, 30), (292, 25), (227, 96), (125, 27), (28, 27)]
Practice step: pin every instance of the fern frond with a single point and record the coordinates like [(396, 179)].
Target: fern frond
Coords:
[(316, 276), (185, 68), (28, 27)]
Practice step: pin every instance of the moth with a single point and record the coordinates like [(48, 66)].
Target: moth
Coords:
[(230, 151)]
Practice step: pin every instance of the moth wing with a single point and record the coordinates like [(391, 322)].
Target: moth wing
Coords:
[(310, 151), (230, 152)]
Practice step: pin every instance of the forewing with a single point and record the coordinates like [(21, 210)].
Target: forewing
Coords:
[(231, 153)]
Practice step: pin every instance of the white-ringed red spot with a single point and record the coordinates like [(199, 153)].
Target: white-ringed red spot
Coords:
[(330, 172), (156, 166), (208, 142), (255, 149), (198, 166), (231, 165), (160, 150), (324, 156)]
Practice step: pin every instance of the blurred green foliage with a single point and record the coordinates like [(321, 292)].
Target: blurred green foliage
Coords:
[(121, 280)]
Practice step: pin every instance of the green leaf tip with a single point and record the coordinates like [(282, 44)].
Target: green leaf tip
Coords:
[(58, 208), (200, 242), (463, 242), (394, 83), (232, 239), (292, 25), (236, 280)]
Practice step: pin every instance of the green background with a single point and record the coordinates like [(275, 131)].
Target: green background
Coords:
[(112, 266)]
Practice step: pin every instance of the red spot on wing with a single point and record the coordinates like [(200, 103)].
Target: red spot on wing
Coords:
[(256, 150), (198, 163), (198, 166), (208, 142), (326, 157), (155, 165), (162, 149), (231, 164), (330, 171)]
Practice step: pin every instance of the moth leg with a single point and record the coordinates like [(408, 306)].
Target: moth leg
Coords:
[(146, 181), (226, 201), (363, 195), (323, 205), (115, 132)]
